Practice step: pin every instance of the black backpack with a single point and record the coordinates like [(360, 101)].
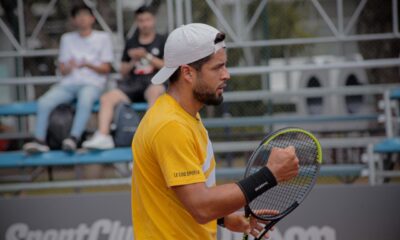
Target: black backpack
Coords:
[(124, 124), (60, 124)]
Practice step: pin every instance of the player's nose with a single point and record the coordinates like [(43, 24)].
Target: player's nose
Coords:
[(226, 76)]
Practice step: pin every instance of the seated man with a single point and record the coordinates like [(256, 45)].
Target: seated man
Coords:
[(85, 57), (141, 59)]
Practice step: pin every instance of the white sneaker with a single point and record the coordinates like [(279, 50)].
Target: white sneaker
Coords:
[(99, 141), (69, 144), (35, 146)]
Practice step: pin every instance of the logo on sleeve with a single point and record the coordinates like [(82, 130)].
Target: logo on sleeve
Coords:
[(186, 173)]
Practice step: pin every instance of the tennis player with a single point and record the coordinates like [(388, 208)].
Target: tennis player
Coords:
[(174, 193)]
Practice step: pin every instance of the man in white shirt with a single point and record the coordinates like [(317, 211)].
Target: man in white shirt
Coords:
[(85, 57), (141, 60)]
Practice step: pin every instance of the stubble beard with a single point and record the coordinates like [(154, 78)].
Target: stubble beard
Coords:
[(206, 96)]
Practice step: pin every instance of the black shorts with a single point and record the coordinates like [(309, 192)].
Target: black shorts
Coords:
[(135, 88)]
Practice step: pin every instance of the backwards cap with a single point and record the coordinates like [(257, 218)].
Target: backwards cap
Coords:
[(185, 45)]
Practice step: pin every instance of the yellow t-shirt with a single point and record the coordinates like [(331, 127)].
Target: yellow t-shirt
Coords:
[(170, 148)]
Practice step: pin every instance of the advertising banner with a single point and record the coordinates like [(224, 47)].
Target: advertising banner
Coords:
[(329, 213)]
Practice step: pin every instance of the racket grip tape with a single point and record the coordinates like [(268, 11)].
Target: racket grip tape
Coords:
[(257, 183), (246, 235)]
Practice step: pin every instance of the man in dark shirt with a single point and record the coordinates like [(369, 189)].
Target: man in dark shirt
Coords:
[(141, 59)]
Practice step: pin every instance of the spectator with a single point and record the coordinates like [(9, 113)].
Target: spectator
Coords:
[(141, 59), (85, 57)]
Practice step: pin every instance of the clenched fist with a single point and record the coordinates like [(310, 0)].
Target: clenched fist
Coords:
[(283, 163)]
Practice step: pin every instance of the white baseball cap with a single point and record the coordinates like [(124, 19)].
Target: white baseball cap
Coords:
[(185, 45)]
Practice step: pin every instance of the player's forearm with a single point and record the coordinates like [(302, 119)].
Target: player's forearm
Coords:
[(206, 204)]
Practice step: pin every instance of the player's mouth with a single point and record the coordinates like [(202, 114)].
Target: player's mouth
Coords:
[(220, 89)]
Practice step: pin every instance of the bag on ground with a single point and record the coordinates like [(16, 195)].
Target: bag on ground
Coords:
[(60, 124), (124, 124)]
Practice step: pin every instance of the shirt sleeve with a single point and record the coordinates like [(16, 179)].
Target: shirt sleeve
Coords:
[(64, 53), (107, 54), (175, 151)]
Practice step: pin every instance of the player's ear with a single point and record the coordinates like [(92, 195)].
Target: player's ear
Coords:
[(187, 73)]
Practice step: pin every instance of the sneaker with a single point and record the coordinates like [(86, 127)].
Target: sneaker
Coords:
[(36, 146), (99, 141), (70, 144)]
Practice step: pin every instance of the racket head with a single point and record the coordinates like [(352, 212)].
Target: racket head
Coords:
[(286, 196)]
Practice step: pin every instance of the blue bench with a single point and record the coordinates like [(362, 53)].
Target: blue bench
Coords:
[(354, 170), (389, 145), (30, 108), (120, 155), (56, 158), (376, 167), (395, 93), (222, 174)]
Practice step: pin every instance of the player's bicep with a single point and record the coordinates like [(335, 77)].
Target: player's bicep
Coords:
[(176, 153), (192, 197), (208, 203)]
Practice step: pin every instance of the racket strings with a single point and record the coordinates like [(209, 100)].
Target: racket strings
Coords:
[(285, 194)]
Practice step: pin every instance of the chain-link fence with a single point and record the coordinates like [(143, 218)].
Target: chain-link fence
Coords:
[(284, 33)]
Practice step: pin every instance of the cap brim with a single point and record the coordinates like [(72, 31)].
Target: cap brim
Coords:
[(163, 75)]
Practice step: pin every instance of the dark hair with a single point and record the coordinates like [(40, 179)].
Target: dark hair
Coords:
[(81, 7), (199, 63), (144, 9)]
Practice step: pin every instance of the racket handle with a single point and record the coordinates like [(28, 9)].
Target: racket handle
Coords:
[(266, 229), (247, 216)]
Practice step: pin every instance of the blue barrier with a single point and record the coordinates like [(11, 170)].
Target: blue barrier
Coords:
[(354, 170), (30, 108), (140, 107), (56, 158), (221, 174), (119, 155), (18, 109), (389, 145), (395, 93)]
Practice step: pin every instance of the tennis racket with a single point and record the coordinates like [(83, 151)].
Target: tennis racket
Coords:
[(285, 196)]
